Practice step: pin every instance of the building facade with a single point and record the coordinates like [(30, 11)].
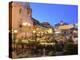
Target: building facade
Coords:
[(21, 18)]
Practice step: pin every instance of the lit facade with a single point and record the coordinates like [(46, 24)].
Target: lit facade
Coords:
[(20, 14), (21, 18)]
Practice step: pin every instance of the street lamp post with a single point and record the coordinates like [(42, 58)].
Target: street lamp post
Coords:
[(34, 31), (15, 34), (14, 39), (34, 34), (26, 26)]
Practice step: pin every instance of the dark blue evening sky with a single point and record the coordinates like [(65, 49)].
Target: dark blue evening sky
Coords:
[(54, 13)]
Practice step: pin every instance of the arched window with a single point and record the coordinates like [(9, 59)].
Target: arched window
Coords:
[(20, 10), (29, 11)]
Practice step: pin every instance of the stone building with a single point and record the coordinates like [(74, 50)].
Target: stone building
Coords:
[(20, 18), (67, 31), (63, 28)]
